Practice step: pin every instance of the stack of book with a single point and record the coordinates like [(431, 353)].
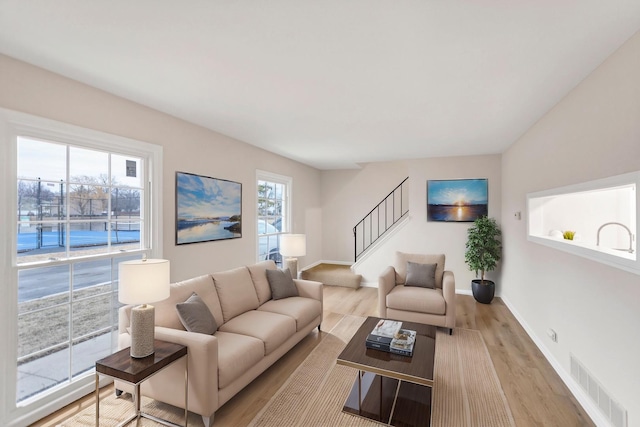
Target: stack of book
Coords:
[(388, 335)]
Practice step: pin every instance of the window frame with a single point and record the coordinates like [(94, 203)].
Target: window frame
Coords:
[(13, 125), (286, 225)]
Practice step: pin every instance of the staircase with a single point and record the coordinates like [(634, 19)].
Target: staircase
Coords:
[(381, 218)]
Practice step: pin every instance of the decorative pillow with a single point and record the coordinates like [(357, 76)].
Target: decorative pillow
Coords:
[(196, 316), (422, 275), (281, 284)]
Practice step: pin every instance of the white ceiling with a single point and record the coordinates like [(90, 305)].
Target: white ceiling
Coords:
[(331, 83)]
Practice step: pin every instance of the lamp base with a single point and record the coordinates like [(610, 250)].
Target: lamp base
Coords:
[(292, 265), (142, 331)]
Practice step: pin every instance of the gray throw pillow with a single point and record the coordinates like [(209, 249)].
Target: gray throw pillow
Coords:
[(281, 284), (196, 316), (422, 275)]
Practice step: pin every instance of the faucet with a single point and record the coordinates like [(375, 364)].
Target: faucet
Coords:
[(630, 250)]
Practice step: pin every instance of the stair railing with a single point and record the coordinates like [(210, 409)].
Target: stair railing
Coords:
[(381, 218)]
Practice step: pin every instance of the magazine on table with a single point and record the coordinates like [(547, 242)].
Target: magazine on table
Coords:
[(381, 336), (403, 342)]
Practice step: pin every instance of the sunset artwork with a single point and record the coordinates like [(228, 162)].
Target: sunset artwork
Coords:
[(457, 200)]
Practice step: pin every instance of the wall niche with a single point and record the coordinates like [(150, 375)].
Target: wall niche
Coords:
[(596, 220)]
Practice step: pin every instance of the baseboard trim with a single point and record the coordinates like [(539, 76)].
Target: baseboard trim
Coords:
[(594, 413), (364, 284)]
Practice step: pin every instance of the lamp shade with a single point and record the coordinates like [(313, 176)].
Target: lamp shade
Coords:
[(293, 245), (143, 281)]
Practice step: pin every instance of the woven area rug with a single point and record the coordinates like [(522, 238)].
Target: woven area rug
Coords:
[(115, 410), (466, 392)]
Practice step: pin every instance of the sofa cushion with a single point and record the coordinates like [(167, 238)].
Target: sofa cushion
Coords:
[(421, 300), (196, 316), (303, 310), (421, 275), (259, 276), (272, 328), (236, 355), (236, 292), (166, 314), (281, 284), (400, 265)]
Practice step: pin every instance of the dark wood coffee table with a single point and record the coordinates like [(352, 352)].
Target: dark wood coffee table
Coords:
[(389, 388)]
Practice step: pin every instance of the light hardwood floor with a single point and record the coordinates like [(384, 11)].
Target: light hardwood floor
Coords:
[(536, 394)]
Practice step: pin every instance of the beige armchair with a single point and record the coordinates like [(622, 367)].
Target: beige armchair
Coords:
[(413, 303)]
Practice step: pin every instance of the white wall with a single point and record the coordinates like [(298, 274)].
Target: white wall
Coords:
[(593, 133), (187, 148), (349, 195)]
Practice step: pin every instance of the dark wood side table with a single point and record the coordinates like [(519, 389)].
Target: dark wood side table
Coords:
[(122, 366)]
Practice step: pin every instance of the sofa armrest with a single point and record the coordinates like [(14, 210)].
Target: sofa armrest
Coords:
[(203, 366), (309, 288), (386, 282), (449, 293), (203, 370)]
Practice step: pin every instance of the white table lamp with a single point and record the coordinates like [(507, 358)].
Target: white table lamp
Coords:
[(142, 282), (292, 246)]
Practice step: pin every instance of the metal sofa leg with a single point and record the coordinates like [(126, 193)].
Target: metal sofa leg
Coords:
[(450, 331)]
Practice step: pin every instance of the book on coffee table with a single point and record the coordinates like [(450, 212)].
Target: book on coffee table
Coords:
[(381, 336), (402, 342)]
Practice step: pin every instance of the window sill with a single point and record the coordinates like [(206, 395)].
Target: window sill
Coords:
[(612, 257)]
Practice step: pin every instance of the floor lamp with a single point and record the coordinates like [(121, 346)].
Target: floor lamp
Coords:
[(142, 282), (292, 246)]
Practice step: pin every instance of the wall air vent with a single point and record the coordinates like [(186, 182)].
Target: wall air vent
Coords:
[(611, 409)]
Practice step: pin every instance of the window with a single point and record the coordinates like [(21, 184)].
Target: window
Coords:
[(273, 214), (599, 216), (83, 203)]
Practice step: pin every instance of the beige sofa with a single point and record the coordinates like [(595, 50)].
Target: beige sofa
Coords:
[(254, 332), (435, 306)]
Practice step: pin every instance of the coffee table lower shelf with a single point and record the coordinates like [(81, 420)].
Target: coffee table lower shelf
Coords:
[(389, 401)]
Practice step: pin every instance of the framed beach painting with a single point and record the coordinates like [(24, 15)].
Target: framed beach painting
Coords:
[(457, 200), (207, 209)]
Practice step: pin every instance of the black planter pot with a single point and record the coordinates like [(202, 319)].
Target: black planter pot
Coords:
[(483, 291)]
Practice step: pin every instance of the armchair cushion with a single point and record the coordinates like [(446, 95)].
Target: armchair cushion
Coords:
[(416, 299), (421, 275), (196, 316)]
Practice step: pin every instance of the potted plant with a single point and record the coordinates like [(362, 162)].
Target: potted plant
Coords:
[(482, 254)]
